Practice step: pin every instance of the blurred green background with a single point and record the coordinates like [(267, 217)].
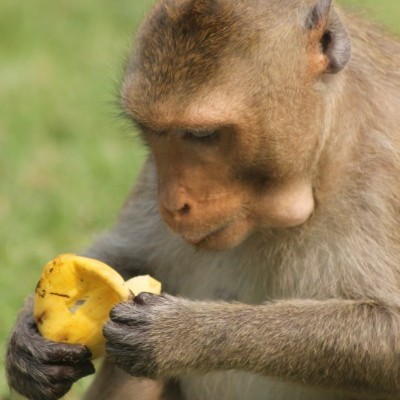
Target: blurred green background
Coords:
[(67, 161)]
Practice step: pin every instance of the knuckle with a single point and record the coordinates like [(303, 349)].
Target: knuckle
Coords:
[(114, 313), (126, 314), (119, 311), (47, 351)]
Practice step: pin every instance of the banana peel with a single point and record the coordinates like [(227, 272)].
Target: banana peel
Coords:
[(74, 296)]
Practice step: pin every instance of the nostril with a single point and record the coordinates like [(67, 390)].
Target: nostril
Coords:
[(185, 209), (176, 202), (181, 211)]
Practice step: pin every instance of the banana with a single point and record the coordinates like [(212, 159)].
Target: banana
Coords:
[(74, 296)]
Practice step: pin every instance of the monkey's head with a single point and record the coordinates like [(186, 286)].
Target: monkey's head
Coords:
[(229, 96)]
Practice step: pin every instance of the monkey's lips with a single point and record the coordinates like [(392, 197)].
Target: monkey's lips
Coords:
[(224, 237), (196, 239)]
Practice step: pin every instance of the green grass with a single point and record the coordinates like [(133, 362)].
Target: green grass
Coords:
[(67, 161)]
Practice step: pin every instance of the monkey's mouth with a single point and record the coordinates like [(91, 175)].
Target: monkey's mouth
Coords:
[(196, 240), (223, 237)]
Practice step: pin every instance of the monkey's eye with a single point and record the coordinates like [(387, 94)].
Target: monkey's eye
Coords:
[(200, 135)]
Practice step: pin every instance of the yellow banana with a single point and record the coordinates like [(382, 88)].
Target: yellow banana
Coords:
[(74, 296)]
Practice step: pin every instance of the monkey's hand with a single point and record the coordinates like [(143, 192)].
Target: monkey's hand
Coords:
[(38, 368), (162, 336), (133, 334)]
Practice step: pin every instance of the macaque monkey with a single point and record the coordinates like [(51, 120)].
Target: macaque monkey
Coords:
[(269, 208)]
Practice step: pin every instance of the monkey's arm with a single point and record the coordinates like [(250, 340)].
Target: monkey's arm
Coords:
[(351, 345)]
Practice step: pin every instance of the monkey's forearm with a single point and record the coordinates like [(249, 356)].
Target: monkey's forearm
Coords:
[(342, 344)]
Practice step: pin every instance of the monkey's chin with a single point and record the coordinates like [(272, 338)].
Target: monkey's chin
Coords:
[(224, 238)]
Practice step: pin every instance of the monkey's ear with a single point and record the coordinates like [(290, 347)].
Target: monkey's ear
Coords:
[(329, 42)]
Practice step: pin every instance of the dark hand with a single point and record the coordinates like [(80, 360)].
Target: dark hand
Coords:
[(40, 369), (143, 336)]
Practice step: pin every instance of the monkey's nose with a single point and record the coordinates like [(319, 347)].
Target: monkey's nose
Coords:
[(177, 214), (177, 207)]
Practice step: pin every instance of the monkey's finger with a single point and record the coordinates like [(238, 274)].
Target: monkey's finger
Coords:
[(124, 313), (28, 341), (127, 315), (49, 352), (145, 298), (68, 373), (127, 312), (66, 353), (28, 369)]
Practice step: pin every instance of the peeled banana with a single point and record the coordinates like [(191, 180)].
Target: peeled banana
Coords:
[(74, 296)]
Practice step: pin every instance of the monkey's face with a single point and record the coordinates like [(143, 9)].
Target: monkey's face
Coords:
[(225, 171), (229, 100)]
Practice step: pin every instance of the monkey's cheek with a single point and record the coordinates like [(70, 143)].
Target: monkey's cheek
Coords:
[(228, 237)]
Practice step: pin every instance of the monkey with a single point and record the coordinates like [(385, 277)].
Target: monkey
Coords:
[(268, 206)]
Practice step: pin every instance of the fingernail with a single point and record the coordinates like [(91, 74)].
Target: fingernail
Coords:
[(141, 298)]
